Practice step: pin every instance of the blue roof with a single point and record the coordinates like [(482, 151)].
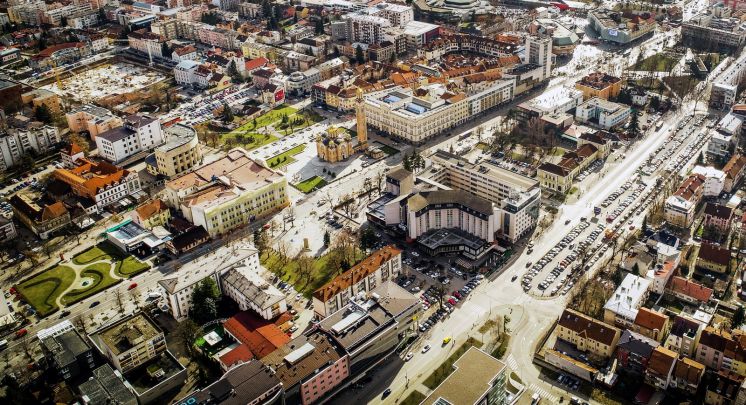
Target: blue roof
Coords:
[(415, 108), (391, 99)]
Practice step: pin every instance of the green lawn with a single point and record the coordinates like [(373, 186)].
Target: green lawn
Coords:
[(304, 119), (446, 368), (310, 184), (248, 140), (99, 273), (285, 158), (270, 117), (319, 276), (130, 267), (414, 398), (42, 290), (387, 149), (657, 63), (102, 251)]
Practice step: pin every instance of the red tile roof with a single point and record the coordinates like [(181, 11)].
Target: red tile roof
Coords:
[(650, 320), (357, 272), (262, 337), (241, 353), (661, 361), (147, 210), (256, 63), (691, 289)]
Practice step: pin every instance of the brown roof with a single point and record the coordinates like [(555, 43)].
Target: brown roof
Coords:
[(650, 320), (240, 353), (356, 273), (734, 166), (72, 149), (691, 288), (598, 80), (185, 50), (714, 254), (261, 337), (689, 370), (715, 339), (554, 169), (588, 327), (47, 52), (53, 211), (147, 210), (690, 186), (718, 211), (661, 361)]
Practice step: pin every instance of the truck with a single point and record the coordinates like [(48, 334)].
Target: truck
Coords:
[(658, 125)]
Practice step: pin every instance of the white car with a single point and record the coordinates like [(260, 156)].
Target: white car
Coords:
[(426, 348), (408, 356)]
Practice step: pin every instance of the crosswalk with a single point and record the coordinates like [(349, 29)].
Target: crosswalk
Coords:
[(543, 393), (512, 363)]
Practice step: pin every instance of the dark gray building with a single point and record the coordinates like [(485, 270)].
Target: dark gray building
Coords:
[(106, 387), (68, 353)]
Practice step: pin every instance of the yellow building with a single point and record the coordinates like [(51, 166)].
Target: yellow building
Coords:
[(38, 97), (180, 153), (92, 119), (152, 214), (599, 85), (587, 334), (337, 144)]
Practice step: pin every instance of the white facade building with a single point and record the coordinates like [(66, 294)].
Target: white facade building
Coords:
[(17, 143), (605, 114), (246, 286), (139, 133), (714, 180)]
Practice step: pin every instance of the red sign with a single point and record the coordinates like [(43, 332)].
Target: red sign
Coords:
[(280, 95)]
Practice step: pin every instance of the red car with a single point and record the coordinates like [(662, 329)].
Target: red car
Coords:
[(21, 333), (452, 301), (133, 285)]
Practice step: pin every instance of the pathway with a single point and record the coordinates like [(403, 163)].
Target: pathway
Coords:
[(78, 268)]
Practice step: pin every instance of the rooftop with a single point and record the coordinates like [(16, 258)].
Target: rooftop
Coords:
[(358, 272), (253, 286), (588, 327), (599, 80), (628, 296), (126, 333), (302, 358), (262, 337), (474, 375), (240, 385), (106, 387), (206, 265)]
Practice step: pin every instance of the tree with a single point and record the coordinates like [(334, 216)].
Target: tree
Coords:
[(319, 26), (187, 333), (367, 238), (392, 58), (205, 299), (165, 50), (359, 57), (118, 299), (227, 114), (634, 125), (261, 241), (233, 72), (738, 317), (701, 158), (644, 226), (43, 114), (305, 267), (327, 238)]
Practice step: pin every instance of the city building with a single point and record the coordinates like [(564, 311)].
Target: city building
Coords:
[(714, 30), (41, 97), (683, 336), (188, 240), (724, 137), (336, 143), (679, 208), (689, 291), (660, 367), (619, 27), (249, 289), (91, 119), (478, 378), (99, 184), (564, 39), (622, 308), (373, 324), (138, 134), (734, 172), (130, 342), (687, 375), (587, 334), (228, 193), (724, 388), (106, 386), (382, 265), (251, 382), (555, 102), (604, 114), (633, 351), (599, 85), (724, 90), (181, 152), (41, 217), (308, 367), (131, 238), (8, 230), (59, 54), (255, 336), (16, 144), (559, 176), (68, 352), (177, 287), (717, 218), (151, 214), (722, 350), (10, 96), (714, 180)]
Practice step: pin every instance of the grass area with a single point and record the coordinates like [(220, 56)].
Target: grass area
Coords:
[(270, 117), (304, 284), (572, 190), (657, 63), (502, 348), (414, 398), (446, 368), (285, 158), (482, 146), (42, 290), (681, 85), (102, 251), (247, 140), (130, 267), (300, 120), (604, 397), (101, 280), (310, 184), (389, 150), (557, 151)]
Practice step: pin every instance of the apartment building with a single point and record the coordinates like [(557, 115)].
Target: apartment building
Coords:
[(684, 335), (734, 172), (587, 334), (605, 114), (689, 291), (651, 324), (16, 143), (724, 90), (687, 375), (92, 119), (714, 180), (248, 288), (476, 369), (130, 341), (99, 184), (633, 351), (718, 218), (147, 42), (722, 350), (137, 134), (250, 382), (714, 30), (613, 26), (41, 97), (714, 258), (679, 208), (8, 230), (60, 54), (599, 85), (660, 368), (228, 193), (559, 177), (68, 352), (622, 308), (151, 214), (41, 217), (181, 152), (382, 265)]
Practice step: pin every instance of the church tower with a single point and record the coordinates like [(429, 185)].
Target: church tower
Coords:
[(362, 127)]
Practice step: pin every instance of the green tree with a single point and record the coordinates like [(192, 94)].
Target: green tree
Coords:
[(738, 317), (359, 57), (392, 58), (644, 226), (227, 114), (43, 114), (701, 158), (261, 241), (367, 238), (205, 298), (634, 124), (187, 333), (165, 50), (233, 72), (319, 28)]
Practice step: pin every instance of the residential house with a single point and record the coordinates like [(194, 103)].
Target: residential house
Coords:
[(734, 171), (687, 375), (587, 334), (684, 335), (660, 367), (151, 214), (723, 388), (70, 154), (188, 240), (633, 351), (622, 307), (680, 207), (717, 220), (651, 324), (713, 258), (689, 291), (41, 217), (722, 350)]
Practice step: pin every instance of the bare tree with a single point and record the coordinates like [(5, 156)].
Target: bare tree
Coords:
[(118, 299), (305, 268)]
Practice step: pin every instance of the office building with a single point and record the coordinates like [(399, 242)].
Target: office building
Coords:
[(614, 26), (130, 342), (477, 378), (69, 353), (724, 90), (228, 193), (602, 113), (138, 134), (107, 386), (246, 383), (99, 184), (599, 85), (91, 119), (714, 30), (41, 217), (181, 152)]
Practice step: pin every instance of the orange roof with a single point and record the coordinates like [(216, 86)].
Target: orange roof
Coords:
[(260, 336), (147, 210), (689, 370), (89, 177), (661, 361), (650, 320), (356, 273), (72, 149), (691, 289), (53, 211), (256, 63), (241, 353), (47, 52)]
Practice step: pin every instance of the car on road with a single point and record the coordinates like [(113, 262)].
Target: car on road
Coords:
[(93, 304), (447, 340), (513, 278), (132, 286), (64, 314), (23, 332), (425, 349), (386, 392), (408, 356)]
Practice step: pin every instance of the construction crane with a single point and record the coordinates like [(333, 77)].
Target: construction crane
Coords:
[(57, 75)]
